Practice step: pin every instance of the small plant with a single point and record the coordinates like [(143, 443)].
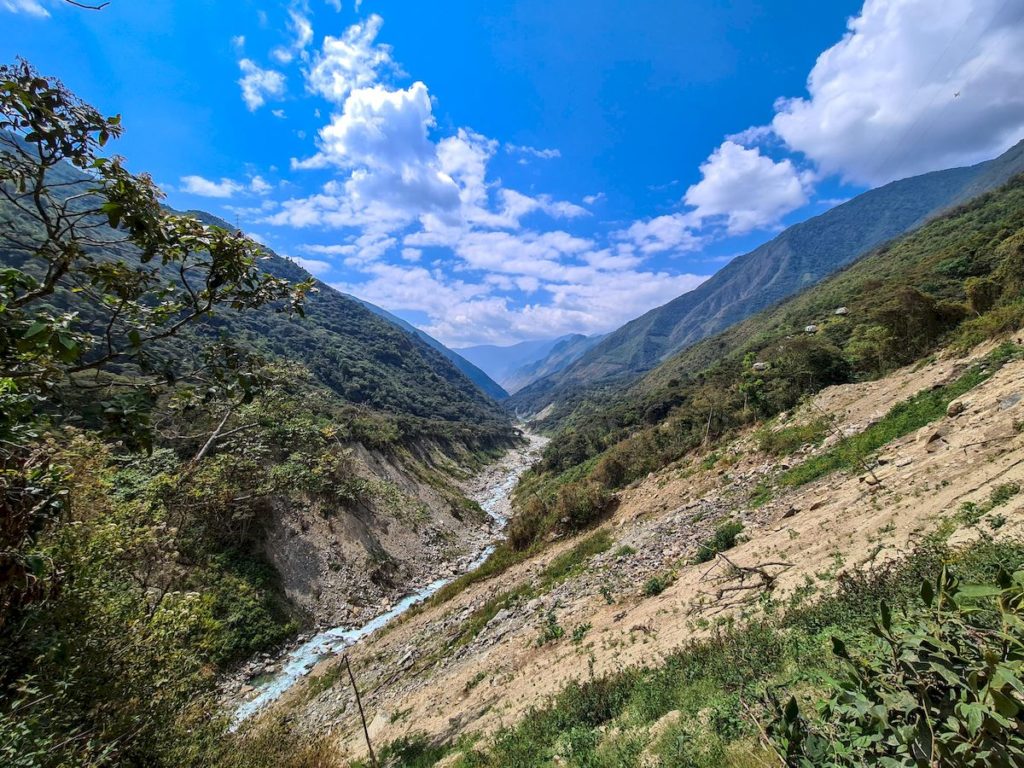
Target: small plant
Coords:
[(656, 585), (996, 522), (606, 593), (474, 681), (625, 551), (580, 632), (723, 539), (551, 631), (1003, 493), (969, 513)]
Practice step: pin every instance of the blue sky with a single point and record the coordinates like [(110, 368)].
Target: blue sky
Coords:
[(510, 170)]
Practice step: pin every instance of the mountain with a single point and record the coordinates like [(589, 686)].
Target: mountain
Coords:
[(566, 350), (502, 362), (486, 384), (363, 358), (799, 257)]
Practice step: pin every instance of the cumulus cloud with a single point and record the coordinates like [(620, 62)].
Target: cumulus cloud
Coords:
[(31, 7), (913, 86), (672, 232), (397, 191), (259, 84), (313, 266), (198, 185), (747, 189), (354, 60)]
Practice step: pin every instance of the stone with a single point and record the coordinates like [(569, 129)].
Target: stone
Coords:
[(955, 408)]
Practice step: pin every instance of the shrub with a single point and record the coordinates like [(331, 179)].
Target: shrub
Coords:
[(723, 539), (941, 686), (580, 504), (656, 585)]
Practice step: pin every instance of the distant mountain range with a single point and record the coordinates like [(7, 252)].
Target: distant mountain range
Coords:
[(799, 257), (517, 365), (488, 385)]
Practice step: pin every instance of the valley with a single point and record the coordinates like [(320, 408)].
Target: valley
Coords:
[(646, 393), (613, 619)]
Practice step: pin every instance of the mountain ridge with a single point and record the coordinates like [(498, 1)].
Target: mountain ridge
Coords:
[(777, 269)]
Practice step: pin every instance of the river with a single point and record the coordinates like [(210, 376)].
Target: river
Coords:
[(492, 489)]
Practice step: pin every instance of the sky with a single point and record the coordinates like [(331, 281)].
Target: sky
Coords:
[(521, 169)]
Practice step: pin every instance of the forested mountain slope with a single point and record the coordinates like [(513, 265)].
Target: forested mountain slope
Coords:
[(800, 256)]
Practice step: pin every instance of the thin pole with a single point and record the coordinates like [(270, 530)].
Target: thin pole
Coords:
[(362, 716)]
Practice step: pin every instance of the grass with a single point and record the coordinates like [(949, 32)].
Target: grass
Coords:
[(783, 442), (717, 684)]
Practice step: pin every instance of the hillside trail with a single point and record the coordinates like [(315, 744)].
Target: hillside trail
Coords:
[(491, 489), (422, 677)]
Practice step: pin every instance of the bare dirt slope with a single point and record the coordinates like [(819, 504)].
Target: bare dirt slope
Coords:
[(416, 679)]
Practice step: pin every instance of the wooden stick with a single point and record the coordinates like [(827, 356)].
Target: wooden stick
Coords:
[(362, 715)]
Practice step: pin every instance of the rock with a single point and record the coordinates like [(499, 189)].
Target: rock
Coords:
[(841, 311), (811, 329), (245, 690), (791, 511), (869, 479), (904, 461), (955, 408), (817, 504), (929, 436)]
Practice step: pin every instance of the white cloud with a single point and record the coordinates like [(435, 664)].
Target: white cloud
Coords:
[(238, 42), (302, 31), (542, 154), (278, 113), (198, 185), (393, 174), (313, 266), (593, 199), (335, 4), (412, 254), (672, 232), (351, 61), (883, 101), (259, 185), (31, 7), (747, 188), (259, 84)]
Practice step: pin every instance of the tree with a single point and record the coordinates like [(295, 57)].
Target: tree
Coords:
[(98, 280)]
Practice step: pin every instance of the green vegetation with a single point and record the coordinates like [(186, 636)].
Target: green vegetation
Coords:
[(785, 441), (927, 406), (940, 686), (143, 455), (723, 539), (656, 584), (726, 688)]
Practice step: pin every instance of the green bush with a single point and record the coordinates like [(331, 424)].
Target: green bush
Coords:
[(940, 686), (723, 539)]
